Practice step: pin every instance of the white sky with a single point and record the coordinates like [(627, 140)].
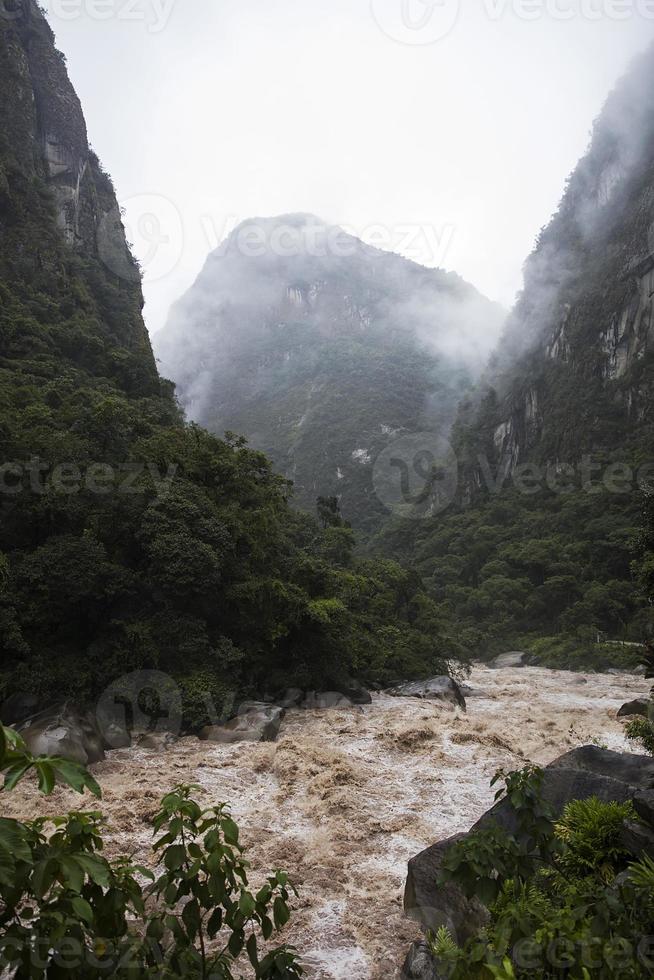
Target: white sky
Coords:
[(451, 149)]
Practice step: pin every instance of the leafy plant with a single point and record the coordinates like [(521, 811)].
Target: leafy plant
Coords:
[(16, 762), (557, 904), (206, 875), (66, 911)]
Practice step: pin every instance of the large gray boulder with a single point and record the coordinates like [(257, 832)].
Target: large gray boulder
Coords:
[(435, 689), (627, 767), (559, 787), (64, 731), (640, 707), (18, 707), (256, 722), (505, 660), (434, 905), (420, 964)]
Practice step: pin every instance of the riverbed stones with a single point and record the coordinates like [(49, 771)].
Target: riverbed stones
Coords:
[(640, 707), (440, 688), (156, 741), (256, 722)]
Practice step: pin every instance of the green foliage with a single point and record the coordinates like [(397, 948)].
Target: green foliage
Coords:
[(69, 912), (590, 831), (558, 906), (513, 568), (483, 862), (205, 870), (16, 762)]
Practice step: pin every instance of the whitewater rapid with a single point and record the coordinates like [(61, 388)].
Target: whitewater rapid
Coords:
[(345, 797)]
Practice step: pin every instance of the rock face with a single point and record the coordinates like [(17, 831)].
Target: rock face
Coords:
[(284, 323), (257, 722), (434, 905), (639, 707), (636, 770), (67, 732), (436, 689), (505, 660), (575, 369)]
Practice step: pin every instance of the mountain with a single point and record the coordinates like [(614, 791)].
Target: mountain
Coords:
[(129, 541), (321, 350), (556, 443)]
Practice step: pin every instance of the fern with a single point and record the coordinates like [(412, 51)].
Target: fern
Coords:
[(641, 873), (590, 831), (443, 946)]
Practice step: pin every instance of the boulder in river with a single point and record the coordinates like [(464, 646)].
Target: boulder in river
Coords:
[(576, 775), (256, 722), (626, 767), (65, 731), (435, 689), (639, 707), (506, 660), (434, 905), (156, 741)]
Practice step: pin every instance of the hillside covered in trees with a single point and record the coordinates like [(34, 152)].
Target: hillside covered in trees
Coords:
[(129, 539)]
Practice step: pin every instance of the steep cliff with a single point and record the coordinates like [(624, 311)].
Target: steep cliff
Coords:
[(557, 441), (321, 350), (574, 373)]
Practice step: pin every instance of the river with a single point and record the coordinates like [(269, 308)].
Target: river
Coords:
[(345, 797)]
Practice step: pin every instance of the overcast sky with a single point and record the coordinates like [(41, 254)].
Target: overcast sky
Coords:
[(438, 130)]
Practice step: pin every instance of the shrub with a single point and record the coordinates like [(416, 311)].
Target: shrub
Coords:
[(557, 905), (66, 911)]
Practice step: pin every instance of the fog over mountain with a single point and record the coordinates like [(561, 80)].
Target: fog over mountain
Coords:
[(320, 349)]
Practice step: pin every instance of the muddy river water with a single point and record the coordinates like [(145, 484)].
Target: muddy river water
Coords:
[(345, 797)]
